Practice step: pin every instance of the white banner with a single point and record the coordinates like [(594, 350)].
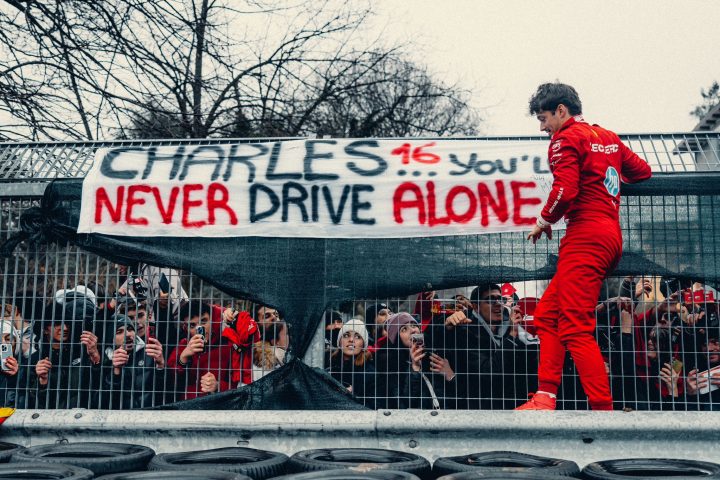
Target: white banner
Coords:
[(323, 188)]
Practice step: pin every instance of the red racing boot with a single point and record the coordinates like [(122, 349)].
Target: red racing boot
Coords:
[(539, 401)]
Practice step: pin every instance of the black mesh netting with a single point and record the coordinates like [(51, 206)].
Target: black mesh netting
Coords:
[(668, 225)]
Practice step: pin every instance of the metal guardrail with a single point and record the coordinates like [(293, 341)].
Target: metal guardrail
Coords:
[(583, 437)]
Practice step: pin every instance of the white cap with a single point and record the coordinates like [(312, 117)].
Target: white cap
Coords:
[(80, 290)]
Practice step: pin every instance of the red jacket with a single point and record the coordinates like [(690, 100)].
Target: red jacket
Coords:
[(588, 163), (217, 359)]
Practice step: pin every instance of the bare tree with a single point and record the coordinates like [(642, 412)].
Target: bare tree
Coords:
[(711, 97), (392, 97), (202, 68)]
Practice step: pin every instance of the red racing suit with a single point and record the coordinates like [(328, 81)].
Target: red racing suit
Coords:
[(588, 163)]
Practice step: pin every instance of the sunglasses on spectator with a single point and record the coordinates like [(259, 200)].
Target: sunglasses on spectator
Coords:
[(493, 299)]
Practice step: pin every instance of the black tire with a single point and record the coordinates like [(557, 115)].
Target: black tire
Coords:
[(7, 450), (41, 472), (651, 468), (100, 458), (501, 476), (258, 464), (344, 473), (505, 462), (366, 458), (174, 475)]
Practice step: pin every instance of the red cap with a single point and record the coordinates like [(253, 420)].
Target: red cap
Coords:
[(507, 290)]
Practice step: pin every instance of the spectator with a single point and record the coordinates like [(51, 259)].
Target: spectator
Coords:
[(27, 341), (29, 309), (270, 352), (131, 367), (146, 282), (403, 379), (11, 376), (351, 364), (333, 324), (138, 314), (700, 394), (425, 308), (264, 316), (67, 363), (375, 317), (497, 365), (658, 384), (202, 363)]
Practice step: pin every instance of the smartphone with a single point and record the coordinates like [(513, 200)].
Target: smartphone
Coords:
[(164, 283), (677, 365), (418, 339), (200, 330), (5, 353), (706, 374)]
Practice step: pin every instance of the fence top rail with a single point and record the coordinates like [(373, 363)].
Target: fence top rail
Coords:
[(665, 152)]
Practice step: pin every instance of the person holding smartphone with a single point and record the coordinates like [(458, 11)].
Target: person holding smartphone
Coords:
[(409, 374), (588, 164), (132, 367), (703, 380), (11, 376), (202, 363)]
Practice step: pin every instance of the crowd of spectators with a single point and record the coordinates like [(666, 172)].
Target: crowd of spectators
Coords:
[(148, 344), (659, 338), (144, 345)]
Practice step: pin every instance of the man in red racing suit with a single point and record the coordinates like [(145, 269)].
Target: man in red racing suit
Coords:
[(588, 163)]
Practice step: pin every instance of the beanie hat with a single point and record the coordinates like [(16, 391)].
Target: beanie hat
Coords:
[(395, 322), (372, 311), (122, 321), (354, 325)]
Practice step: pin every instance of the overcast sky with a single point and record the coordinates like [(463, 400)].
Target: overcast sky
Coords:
[(638, 65)]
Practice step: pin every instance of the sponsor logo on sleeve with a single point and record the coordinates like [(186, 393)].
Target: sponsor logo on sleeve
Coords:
[(612, 181)]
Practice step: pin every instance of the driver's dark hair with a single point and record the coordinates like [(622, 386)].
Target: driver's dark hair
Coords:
[(549, 95)]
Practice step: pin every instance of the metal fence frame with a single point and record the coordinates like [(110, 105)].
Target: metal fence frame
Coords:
[(25, 170)]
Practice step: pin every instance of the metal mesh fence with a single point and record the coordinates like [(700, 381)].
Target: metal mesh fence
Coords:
[(491, 362), (659, 335), (680, 152)]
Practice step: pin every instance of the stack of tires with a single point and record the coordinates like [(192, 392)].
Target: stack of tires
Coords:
[(119, 461)]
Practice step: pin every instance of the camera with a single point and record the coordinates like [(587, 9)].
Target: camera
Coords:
[(135, 282), (5, 353), (418, 339)]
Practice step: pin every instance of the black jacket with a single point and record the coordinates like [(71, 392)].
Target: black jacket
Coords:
[(139, 384), (362, 379), (401, 387), (73, 381)]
